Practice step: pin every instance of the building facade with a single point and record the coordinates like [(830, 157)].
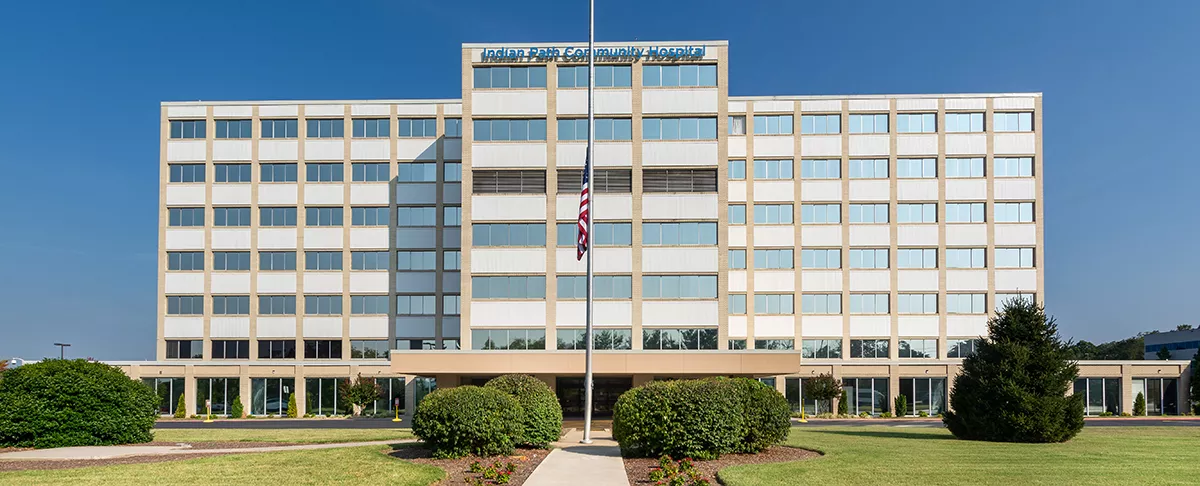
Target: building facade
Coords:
[(431, 242)]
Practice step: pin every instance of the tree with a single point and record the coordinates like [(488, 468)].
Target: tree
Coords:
[(1133, 348), (360, 392), (236, 410), (181, 407), (1139, 405), (1014, 388), (1163, 354), (823, 387), (1195, 386), (1183, 327), (901, 405), (843, 406), (292, 411)]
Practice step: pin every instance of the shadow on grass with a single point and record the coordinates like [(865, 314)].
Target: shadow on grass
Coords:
[(883, 434)]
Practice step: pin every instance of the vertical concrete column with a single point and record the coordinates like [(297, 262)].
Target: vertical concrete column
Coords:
[(301, 390), (468, 134), (893, 386), (255, 224), (940, 161), (636, 206), (164, 176), (189, 389), (209, 217), (1127, 388), (749, 270), (844, 204), (301, 221), (894, 228), (244, 390), (347, 223), (552, 206), (723, 198), (410, 399)]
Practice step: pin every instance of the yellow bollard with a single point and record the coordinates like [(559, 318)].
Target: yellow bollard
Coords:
[(396, 407), (208, 418), (803, 418)]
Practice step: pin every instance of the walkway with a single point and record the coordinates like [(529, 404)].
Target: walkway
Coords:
[(572, 463), (113, 452)]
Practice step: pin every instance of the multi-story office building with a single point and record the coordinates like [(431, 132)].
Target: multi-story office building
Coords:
[(867, 236)]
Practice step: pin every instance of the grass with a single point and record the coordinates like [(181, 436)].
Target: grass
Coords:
[(355, 465), (930, 456), (297, 436)]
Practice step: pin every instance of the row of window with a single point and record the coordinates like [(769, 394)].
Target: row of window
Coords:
[(314, 305), (313, 260), (277, 349), (877, 213), (316, 128), (879, 348), (317, 172), (869, 303), (420, 216), (878, 123), (913, 168), (607, 76), (877, 258)]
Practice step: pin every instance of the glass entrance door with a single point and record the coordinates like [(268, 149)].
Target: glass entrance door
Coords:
[(604, 394)]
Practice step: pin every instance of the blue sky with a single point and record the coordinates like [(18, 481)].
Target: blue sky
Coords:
[(80, 85)]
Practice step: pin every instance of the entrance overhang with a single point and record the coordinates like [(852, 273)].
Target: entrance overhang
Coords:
[(691, 362)]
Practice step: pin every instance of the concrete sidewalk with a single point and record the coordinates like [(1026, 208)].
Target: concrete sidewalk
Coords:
[(113, 452), (572, 463)]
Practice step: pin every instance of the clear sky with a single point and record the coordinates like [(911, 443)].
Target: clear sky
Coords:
[(81, 82)]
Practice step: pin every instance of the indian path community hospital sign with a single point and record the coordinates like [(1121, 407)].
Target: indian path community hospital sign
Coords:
[(580, 54)]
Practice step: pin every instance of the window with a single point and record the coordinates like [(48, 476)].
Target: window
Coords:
[(690, 233), (606, 287), (737, 213), (370, 260), (772, 124), (607, 129), (231, 305), (679, 129), (1013, 167), (231, 216), (821, 349), (570, 181), (372, 172), (819, 169), (606, 76), (774, 344), (679, 180), (377, 216), (452, 171), (824, 258), (453, 128), (276, 260), (185, 305), (187, 172), (820, 124), (961, 348), (277, 172), (451, 305), (966, 303), (185, 260), (369, 349), (323, 216), (917, 304), (1014, 257), (452, 216), (869, 348), (737, 259), (327, 128), (185, 349), (234, 261), (916, 213), (821, 303), (767, 304), (916, 258), (773, 169), (685, 75), (1014, 212), (504, 234), (869, 258), (678, 339), (277, 305), (1012, 122), (276, 349), (869, 304), (187, 128), (679, 286), (1003, 300), (737, 170), (737, 124), (416, 216), (509, 287), (231, 349), (773, 213), (323, 260), (773, 259), (416, 305), (322, 349), (371, 127), (277, 216), (514, 130), (451, 260), (519, 339), (323, 173), (868, 168), (918, 348), (322, 305), (964, 213), (601, 339), (819, 213), (421, 127), (234, 129), (965, 258), (959, 168), (737, 304), (964, 122), (417, 172), (416, 260), (926, 395), (916, 123), (876, 123), (185, 216), (868, 213), (232, 173), (735, 344), (278, 128), (511, 77), (509, 182), (916, 168), (603, 234)]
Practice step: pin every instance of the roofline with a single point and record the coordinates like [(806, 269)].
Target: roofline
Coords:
[(456, 101), (442, 101), (879, 96), (478, 45)]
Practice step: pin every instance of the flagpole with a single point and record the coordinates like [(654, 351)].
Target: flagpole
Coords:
[(587, 374)]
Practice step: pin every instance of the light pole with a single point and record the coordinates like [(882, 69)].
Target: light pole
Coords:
[(62, 347)]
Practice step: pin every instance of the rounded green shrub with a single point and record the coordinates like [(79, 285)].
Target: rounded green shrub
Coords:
[(685, 418), (541, 419), (767, 418), (455, 422), (62, 403)]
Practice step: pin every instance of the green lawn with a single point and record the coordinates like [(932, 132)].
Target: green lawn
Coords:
[(307, 436), (357, 465), (929, 456)]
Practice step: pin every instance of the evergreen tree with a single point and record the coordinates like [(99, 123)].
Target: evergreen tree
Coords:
[(843, 405), (1163, 354), (236, 410), (1014, 388), (181, 408), (901, 405), (292, 410), (1139, 405), (1195, 395)]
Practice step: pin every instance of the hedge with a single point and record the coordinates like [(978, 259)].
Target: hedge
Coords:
[(541, 419), (768, 416), (455, 422), (701, 419)]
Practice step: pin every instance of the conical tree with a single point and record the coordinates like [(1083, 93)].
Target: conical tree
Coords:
[(1014, 388)]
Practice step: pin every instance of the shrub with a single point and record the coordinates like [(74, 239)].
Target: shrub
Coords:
[(1106, 414), (823, 387), (236, 410), (1126, 414), (455, 422), (922, 413), (181, 408), (843, 404), (885, 415), (292, 410), (682, 418), (359, 393), (864, 415), (61, 403), (541, 420), (1139, 405), (901, 405), (767, 415)]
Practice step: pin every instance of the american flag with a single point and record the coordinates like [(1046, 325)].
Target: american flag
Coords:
[(581, 242)]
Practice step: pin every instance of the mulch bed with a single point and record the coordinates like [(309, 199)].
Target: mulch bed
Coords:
[(638, 469), (457, 469), (23, 465)]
